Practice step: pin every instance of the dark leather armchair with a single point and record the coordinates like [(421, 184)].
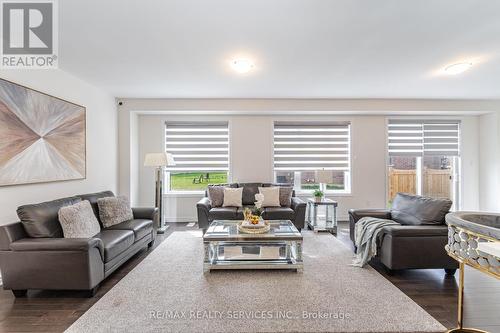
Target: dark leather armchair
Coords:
[(295, 213), (34, 254), (419, 240)]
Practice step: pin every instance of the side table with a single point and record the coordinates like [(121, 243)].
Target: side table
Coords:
[(330, 222)]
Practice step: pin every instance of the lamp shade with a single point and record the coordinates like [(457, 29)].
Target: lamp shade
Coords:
[(159, 160), (324, 176)]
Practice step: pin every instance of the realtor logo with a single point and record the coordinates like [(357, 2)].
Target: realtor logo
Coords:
[(29, 34)]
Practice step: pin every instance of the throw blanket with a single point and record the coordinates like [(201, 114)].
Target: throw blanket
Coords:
[(366, 234)]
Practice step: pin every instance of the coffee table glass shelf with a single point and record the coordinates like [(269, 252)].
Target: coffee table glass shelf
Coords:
[(228, 248)]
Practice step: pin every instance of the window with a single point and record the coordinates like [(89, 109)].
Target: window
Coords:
[(201, 154), (424, 158), (302, 148)]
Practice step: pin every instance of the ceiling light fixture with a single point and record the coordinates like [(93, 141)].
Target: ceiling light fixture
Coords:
[(242, 65), (458, 68)]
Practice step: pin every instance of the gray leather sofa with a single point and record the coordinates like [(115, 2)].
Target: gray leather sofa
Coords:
[(34, 254), (419, 240), (295, 213)]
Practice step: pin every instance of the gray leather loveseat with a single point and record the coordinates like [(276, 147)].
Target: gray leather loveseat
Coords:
[(419, 240), (295, 213), (34, 254)]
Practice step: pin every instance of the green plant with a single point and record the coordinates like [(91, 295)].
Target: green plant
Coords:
[(318, 193)]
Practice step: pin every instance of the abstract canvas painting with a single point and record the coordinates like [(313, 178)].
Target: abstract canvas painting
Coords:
[(42, 138)]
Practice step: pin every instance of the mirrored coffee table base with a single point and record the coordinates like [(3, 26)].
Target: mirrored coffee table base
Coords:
[(226, 248)]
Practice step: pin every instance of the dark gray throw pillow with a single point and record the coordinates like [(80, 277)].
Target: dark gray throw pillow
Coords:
[(216, 195), (286, 196), (408, 209), (114, 210)]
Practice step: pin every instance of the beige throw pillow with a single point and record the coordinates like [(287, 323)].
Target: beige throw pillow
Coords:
[(271, 196), (233, 197), (114, 210), (78, 220)]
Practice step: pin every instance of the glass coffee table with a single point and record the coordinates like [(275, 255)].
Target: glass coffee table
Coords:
[(227, 248)]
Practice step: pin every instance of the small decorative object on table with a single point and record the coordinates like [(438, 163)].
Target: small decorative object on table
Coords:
[(318, 195), (253, 222)]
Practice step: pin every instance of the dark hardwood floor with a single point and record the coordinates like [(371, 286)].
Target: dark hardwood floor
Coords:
[(51, 311)]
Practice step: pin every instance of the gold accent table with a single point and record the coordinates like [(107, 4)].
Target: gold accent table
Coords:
[(473, 240)]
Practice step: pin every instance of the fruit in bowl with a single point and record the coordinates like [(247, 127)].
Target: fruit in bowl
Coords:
[(254, 219)]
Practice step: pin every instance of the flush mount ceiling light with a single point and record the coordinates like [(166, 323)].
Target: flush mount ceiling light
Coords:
[(457, 68), (242, 65)]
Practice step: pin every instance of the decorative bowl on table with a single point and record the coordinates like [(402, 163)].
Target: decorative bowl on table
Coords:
[(254, 225)]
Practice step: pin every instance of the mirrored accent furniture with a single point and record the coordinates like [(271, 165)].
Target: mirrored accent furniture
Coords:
[(315, 221), (473, 240), (226, 247)]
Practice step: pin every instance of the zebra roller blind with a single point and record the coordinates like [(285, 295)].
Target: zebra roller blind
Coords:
[(300, 146), (410, 137), (198, 146)]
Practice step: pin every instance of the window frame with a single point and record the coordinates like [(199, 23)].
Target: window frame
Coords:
[(167, 173), (347, 174), (457, 162)]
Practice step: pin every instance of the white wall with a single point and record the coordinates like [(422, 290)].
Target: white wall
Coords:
[(489, 152), (251, 136), (101, 140)]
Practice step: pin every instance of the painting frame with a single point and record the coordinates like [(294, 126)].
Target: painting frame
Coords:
[(83, 124)]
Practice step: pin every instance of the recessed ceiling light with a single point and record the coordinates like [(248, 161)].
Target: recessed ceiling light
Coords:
[(458, 68), (242, 65)]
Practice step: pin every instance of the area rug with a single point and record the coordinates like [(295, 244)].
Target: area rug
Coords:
[(168, 292)]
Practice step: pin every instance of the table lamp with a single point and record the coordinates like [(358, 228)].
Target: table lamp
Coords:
[(159, 161), (324, 177)]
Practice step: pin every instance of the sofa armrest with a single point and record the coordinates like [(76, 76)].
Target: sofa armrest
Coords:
[(146, 213), (10, 233), (58, 244), (299, 208), (416, 231), (356, 214), (203, 208)]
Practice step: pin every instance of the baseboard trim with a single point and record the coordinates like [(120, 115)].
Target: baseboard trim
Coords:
[(180, 219)]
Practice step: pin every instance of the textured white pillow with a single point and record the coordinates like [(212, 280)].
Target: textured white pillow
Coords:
[(78, 220), (271, 196), (114, 210), (233, 197)]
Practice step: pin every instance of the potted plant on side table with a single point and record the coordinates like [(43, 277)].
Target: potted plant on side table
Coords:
[(318, 195)]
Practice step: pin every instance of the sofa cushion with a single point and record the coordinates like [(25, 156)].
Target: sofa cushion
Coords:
[(92, 198), (41, 220), (114, 210), (249, 192), (222, 213), (140, 227), (278, 213), (78, 220), (410, 209), (232, 197), (286, 196), (271, 196), (280, 185), (115, 242), (216, 195)]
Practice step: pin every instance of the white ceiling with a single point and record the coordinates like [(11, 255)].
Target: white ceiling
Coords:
[(301, 48)]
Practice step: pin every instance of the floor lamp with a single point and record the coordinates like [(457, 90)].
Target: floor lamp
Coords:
[(159, 161)]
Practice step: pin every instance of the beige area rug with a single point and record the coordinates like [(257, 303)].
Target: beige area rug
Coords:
[(168, 292)]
